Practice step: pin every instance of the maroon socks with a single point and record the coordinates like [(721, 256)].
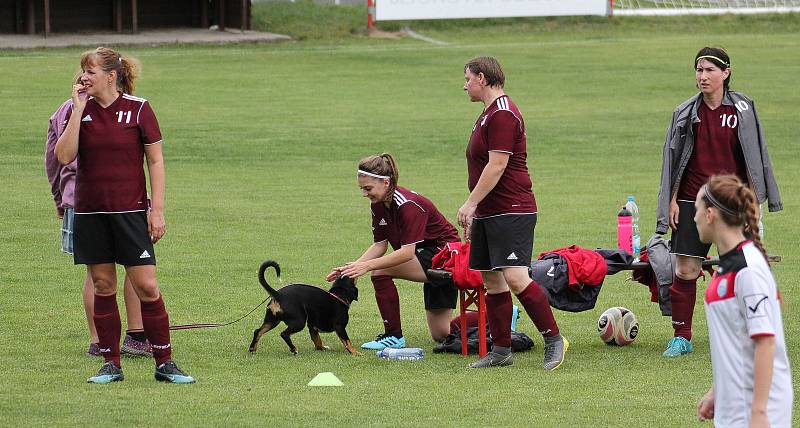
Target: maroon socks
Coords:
[(472, 318), (682, 294), (498, 313), (388, 304), (538, 308), (156, 328), (109, 327)]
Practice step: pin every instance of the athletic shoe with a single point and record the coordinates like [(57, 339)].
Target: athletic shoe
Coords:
[(169, 372), (94, 350), (385, 340), (555, 348), (678, 346), (131, 346), (107, 374), (514, 317), (493, 360)]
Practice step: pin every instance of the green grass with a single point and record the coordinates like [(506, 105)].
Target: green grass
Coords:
[(261, 143)]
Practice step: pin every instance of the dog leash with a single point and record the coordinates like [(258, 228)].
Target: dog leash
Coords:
[(342, 301), (212, 325)]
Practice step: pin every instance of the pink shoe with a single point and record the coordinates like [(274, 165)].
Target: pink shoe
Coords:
[(94, 350)]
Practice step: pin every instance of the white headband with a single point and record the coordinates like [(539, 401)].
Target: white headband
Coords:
[(383, 177)]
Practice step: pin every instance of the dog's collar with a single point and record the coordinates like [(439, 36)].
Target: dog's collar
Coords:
[(342, 301)]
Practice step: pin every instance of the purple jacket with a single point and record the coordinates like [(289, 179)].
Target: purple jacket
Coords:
[(61, 177)]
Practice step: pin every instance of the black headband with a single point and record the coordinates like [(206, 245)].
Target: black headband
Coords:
[(717, 203)]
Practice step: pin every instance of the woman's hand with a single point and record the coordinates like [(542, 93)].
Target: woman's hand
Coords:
[(759, 420), (465, 214), (79, 97), (705, 408), (355, 269), (156, 225), (334, 275), (674, 211)]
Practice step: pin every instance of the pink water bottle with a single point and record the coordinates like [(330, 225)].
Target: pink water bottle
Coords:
[(625, 230)]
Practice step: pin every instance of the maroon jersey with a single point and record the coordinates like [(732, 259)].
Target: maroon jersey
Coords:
[(716, 150), (500, 128), (411, 219), (111, 144)]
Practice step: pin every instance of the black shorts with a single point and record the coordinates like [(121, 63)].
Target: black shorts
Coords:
[(437, 294), (501, 241), (686, 239), (113, 238)]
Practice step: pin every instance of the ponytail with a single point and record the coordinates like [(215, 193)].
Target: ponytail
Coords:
[(129, 72), (737, 205), (751, 216)]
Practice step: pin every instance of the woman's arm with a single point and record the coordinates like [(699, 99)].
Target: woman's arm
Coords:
[(375, 250), (489, 177), (67, 144), (156, 224), (374, 260), (705, 409), (762, 379)]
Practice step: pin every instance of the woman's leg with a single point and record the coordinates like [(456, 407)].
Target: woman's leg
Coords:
[(683, 293), (88, 305), (106, 314), (389, 301), (155, 319), (533, 299), (133, 307), (439, 323)]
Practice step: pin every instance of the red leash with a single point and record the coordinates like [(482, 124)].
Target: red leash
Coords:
[(212, 325)]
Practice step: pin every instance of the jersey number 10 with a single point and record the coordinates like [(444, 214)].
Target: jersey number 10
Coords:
[(727, 119)]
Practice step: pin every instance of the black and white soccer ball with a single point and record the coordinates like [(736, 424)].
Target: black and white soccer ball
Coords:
[(618, 326)]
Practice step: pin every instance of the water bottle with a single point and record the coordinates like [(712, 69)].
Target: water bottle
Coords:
[(410, 354), (625, 230), (636, 239)]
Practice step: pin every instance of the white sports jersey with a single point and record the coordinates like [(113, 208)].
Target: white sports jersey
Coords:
[(742, 302)]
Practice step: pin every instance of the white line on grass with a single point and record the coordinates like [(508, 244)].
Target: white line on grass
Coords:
[(414, 35)]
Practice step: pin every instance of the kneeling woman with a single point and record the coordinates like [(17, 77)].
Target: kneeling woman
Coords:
[(416, 230)]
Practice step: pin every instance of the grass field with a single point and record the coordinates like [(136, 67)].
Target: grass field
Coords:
[(261, 143)]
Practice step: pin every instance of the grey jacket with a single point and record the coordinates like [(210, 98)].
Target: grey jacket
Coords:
[(679, 143), (663, 265)]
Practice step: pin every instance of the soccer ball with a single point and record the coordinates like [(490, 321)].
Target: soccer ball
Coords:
[(618, 326)]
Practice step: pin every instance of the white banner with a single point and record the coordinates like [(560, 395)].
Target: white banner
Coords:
[(389, 10)]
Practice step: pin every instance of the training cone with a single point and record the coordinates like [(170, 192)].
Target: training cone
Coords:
[(325, 379)]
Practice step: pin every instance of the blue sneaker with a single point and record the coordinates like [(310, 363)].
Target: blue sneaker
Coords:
[(678, 346), (169, 372), (107, 374), (514, 317), (385, 340)]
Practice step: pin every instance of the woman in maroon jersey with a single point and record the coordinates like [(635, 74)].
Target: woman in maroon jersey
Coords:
[(111, 133), (62, 185), (416, 230), (716, 131), (500, 216)]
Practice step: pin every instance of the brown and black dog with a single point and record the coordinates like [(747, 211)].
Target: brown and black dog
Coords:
[(301, 304)]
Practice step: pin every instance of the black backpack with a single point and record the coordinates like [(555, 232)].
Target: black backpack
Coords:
[(520, 342)]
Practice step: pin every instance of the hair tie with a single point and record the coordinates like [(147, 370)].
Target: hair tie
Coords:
[(712, 57), (716, 203), (383, 177)]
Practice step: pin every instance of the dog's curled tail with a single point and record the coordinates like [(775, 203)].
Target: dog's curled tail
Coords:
[(263, 281)]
